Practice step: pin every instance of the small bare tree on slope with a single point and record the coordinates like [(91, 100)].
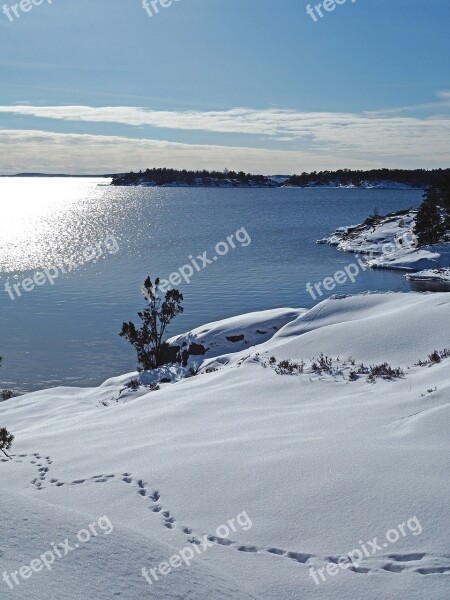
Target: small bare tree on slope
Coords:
[(149, 339)]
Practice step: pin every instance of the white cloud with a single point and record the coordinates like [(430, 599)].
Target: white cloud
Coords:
[(443, 104), (43, 151), (425, 140)]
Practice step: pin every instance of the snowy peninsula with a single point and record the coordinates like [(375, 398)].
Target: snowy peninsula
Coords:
[(389, 242)]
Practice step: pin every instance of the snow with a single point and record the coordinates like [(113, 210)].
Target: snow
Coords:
[(380, 185), (201, 182), (254, 328), (270, 181), (366, 185), (320, 464), (439, 275), (390, 243)]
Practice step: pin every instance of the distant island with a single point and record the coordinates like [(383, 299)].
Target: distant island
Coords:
[(58, 175), (389, 179), (343, 178), (175, 178)]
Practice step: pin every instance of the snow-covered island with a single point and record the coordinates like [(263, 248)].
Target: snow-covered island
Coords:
[(298, 454), (389, 242)]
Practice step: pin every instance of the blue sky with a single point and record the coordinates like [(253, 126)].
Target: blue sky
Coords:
[(92, 86)]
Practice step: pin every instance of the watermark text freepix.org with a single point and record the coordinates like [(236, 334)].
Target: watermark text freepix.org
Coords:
[(58, 551), (200, 262), (152, 7), (366, 550), (406, 241), (90, 253), (196, 547), (327, 5), (13, 11)]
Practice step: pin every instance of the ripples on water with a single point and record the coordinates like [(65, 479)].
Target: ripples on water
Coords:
[(66, 333)]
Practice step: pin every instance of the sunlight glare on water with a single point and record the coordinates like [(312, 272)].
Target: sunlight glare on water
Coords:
[(44, 220)]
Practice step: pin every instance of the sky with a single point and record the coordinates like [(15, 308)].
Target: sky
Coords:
[(104, 86)]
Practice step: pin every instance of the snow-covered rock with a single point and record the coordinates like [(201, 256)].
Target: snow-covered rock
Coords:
[(237, 333), (436, 275), (389, 243)]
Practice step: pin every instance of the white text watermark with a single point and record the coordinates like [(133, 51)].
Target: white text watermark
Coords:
[(48, 275), (58, 551), (196, 547), (366, 550)]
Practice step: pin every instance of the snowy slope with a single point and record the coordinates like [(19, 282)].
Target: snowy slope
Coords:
[(318, 463)]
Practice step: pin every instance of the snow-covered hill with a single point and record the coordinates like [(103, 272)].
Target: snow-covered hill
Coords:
[(285, 459)]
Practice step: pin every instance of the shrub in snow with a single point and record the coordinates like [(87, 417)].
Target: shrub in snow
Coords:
[(323, 363), (374, 218), (438, 355), (287, 367), (434, 358), (148, 341), (133, 384), (384, 371), (6, 440)]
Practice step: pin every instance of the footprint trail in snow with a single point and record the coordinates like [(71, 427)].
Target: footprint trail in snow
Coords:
[(421, 563)]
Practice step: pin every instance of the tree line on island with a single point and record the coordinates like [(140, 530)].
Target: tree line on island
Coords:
[(160, 177), (418, 178)]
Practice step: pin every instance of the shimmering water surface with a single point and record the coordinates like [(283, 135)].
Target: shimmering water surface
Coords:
[(67, 333)]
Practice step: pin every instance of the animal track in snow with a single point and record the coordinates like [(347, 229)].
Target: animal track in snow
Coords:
[(301, 558), (406, 557), (399, 562), (221, 541), (359, 570), (433, 570), (248, 549), (392, 564)]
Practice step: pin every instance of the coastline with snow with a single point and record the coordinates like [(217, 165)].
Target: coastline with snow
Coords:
[(389, 242), (268, 182)]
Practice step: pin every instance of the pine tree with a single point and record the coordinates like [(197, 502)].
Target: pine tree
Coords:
[(445, 203), (148, 340), (6, 440), (430, 224)]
